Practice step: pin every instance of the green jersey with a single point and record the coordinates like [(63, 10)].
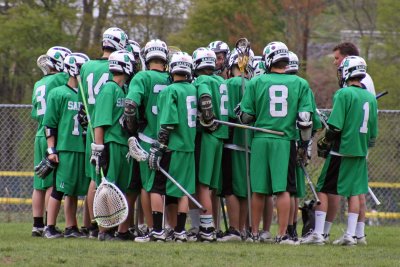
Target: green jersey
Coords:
[(62, 113), (108, 111), (355, 113), (94, 74), (143, 90), (235, 94), (40, 92), (275, 100), (213, 85), (178, 107)]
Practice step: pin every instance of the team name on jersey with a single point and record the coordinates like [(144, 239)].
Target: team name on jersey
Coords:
[(72, 105), (120, 102)]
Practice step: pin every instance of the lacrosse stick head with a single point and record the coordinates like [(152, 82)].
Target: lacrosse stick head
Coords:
[(243, 48), (42, 64), (110, 207), (136, 151)]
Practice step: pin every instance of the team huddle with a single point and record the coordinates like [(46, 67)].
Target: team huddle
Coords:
[(220, 124)]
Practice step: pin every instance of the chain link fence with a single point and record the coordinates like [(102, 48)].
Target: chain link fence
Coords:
[(18, 131)]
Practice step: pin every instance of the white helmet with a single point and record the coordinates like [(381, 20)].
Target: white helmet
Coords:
[(122, 62), (258, 66), (114, 39), (55, 57), (181, 63), (293, 66), (156, 49), (134, 47), (234, 60), (73, 63), (274, 52), (221, 47), (351, 67), (204, 58)]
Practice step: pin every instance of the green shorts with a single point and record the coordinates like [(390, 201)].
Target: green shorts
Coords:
[(345, 176), (272, 166), (180, 165), (40, 148), (145, 173), (300, 183), (70, 174), (210, 161), (118, 169)]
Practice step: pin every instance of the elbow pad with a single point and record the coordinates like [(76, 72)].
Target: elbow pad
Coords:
[(206, 107), (130, 115), (163, 134), (49, 132), (304, 123)]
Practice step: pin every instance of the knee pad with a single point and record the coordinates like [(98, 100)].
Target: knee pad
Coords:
[(57, 194)]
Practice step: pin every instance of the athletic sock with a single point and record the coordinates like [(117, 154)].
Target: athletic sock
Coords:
[(290, 230), (319, 221), (352, 223), (206, 221), (157, 221), (194, 215), (45, 218), (180, 223), (327, 227), (38, 222), (360, 229)]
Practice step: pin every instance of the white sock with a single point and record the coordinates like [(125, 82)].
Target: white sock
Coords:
[(327, 227), (352, 223), (206, 221), (194, 215), (319, 221), (360, 229)]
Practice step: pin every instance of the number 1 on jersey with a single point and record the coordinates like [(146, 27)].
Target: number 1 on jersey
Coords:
[(364, 126)]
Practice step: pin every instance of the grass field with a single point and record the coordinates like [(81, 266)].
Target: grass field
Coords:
[(17, 248)]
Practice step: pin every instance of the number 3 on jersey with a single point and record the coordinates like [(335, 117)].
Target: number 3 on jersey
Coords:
[(278, 105), (157, 88)]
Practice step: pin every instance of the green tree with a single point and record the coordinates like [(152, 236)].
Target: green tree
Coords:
[(23, 39), (210, 20)]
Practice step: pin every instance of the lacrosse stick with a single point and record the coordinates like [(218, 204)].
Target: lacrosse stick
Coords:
[(232, 124), (243, 49), (381, 94), (110, 207), (310, 183), (139, 154)]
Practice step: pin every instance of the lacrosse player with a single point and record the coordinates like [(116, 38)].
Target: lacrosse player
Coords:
[(141, 111), (209, 140), (265, 235), (110, 140), (94, 74), (234, 185), (275, 101), (222, 53), (174, 148), (352, 130), (134, 48), (341, 51), (52, 65), (303, 155), (65, 149)]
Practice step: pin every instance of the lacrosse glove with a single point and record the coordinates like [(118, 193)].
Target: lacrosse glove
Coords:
[(46, 166), (99, 157), (157, 150), (324, 147)]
